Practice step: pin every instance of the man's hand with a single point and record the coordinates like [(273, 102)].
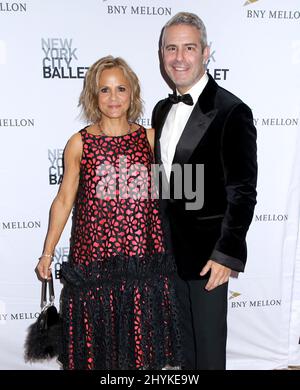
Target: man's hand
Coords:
[(219, 274)]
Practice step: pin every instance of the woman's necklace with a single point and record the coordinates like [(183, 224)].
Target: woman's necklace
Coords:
[(102, 132)]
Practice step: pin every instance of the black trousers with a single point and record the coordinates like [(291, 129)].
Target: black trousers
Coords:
[(204, 324)]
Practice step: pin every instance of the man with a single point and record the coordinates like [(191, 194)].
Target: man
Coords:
[(203, 123)]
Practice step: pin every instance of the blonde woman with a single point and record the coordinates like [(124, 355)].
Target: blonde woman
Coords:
[(118, 301)]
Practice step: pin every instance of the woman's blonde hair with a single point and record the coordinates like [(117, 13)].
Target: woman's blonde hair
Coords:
[(88, 99)]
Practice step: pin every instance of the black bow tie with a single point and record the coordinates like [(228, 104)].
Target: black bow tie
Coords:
[(187, 99)]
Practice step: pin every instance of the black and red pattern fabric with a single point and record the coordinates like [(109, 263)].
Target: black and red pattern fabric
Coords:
[(118, 303)]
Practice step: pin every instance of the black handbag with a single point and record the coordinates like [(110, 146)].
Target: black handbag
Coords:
[(44, 336)]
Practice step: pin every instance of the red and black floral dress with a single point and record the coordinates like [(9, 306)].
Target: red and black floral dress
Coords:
[(118, 302)]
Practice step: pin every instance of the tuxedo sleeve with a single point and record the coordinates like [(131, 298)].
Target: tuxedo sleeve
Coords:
[(239, 158)]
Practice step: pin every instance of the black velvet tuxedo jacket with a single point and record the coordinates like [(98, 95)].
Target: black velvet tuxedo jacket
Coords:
[(221, 135)]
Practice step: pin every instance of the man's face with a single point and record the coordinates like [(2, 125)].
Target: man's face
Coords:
[(183, 56)]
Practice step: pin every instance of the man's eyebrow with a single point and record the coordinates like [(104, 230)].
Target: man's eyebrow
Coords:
[(185, 44)]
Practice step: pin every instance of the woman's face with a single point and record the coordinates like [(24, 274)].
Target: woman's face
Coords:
[(114, 94)]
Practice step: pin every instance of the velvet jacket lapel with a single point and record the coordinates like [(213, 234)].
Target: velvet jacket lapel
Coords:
[(197, 124), (202, 115)]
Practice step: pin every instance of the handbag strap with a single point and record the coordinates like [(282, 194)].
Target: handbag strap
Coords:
[(50, 284)]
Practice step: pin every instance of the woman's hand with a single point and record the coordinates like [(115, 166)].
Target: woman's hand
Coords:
[(44, 267)]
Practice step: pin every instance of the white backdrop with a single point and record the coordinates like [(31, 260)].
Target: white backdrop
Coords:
[(45, 48)]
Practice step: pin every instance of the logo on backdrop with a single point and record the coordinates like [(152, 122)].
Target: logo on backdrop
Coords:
[(4, 317), (61, 254), (217, 73), (146, 122), (16, 122), (277, 121), (13, 7), (271, 217), (131, 9), (250, 2), (275, 14), (60, 58), (17, 225), (237, 303), (234, 294), (55, 157)]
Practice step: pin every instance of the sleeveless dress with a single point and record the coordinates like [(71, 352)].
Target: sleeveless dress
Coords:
[(118, 302)]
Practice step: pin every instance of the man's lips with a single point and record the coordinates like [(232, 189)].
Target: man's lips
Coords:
[(180, 68)]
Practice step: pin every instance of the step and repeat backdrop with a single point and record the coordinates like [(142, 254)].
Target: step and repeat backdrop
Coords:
[(46, 48)]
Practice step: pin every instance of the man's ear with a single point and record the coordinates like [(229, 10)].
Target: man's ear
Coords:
[(206, 54)]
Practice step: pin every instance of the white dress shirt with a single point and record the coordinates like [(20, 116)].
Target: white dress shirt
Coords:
[(175, 124)]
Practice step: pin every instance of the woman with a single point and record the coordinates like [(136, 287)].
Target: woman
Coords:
[(118, 301)]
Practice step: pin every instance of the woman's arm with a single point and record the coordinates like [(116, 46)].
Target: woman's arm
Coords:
[(63, 203), (150, 136)]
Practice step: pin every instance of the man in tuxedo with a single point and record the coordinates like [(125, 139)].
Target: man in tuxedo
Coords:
[(202, 124)]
